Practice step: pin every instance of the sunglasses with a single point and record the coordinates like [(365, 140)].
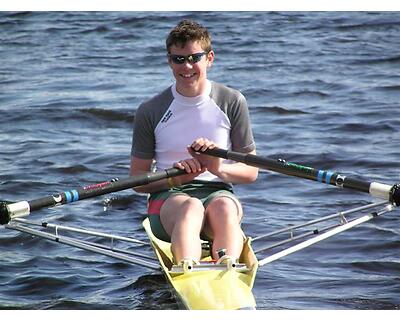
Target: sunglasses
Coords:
[(191, 58)]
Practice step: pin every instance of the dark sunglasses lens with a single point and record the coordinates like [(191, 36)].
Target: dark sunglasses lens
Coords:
[(193, 58), (177, 59), (196, 57)]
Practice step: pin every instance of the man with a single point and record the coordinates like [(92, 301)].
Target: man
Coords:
[(192, 115)]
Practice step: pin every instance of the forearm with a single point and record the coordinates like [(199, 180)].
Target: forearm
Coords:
[(237, 173), (163, 184), (140, 166)]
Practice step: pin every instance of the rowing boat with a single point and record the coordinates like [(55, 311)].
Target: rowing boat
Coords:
[(209, 286)]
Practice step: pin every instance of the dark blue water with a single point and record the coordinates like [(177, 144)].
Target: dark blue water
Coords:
[(323, 90)]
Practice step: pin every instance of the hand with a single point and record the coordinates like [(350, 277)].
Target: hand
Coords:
[(212, 164), (193, 168)]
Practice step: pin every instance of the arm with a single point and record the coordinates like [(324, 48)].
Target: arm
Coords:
[(138, 166), (237, 173)]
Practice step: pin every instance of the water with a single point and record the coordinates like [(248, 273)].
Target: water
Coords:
[(323, 90)]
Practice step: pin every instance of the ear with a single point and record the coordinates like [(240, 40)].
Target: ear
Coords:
[(210, 58), (169, 61)]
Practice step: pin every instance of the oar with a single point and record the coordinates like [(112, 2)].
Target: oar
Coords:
[(380, 190), (9, 210)]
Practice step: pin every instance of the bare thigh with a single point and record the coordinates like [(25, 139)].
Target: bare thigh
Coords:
[(221, 209), (176, 207)]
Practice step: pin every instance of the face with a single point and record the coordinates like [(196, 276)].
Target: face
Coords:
[(191, 78)]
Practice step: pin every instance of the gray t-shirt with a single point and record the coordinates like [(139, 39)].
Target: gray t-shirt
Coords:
[(169, 122)]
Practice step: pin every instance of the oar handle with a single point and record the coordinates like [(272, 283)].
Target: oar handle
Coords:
[(391, 193), (9, 211)]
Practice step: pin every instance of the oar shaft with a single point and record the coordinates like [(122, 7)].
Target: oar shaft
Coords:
[(376, 189), (23, 208)]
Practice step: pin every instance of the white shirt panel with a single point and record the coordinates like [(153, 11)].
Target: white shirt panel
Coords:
[(197, 117)]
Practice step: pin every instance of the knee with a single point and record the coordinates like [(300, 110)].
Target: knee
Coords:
[(192, 207), (225, 208), (192, 204)]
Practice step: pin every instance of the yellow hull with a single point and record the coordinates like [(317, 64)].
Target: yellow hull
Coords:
[(225, 289)]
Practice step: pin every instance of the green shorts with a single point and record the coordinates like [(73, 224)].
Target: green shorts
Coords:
[(205, 191)]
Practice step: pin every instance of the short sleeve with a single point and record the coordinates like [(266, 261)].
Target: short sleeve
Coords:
[(143, 140), (241, 132)]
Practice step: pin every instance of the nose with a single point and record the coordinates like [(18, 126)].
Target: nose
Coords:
[(187, 64)]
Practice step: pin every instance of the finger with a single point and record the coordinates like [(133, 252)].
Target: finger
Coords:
[(202, 144), (183, 165), (196, 146), (199, 143), (198, 165), (187, 166), (206, 145), (194, 164), (191, 165), (191, 151), (179, 165)]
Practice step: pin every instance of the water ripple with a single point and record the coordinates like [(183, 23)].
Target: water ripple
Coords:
[(322, 88)]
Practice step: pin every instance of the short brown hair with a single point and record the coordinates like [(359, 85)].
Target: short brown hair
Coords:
[(188, 30)]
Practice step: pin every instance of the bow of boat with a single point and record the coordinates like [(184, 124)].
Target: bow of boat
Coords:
[(209, 286)]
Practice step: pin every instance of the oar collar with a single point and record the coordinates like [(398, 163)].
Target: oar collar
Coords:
[(394, 195), (4, 217)]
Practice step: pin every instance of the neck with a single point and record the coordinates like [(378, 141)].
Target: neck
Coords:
[(192, 91), (190, 94)]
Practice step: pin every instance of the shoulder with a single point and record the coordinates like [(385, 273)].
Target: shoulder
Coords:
[(229, 100), (223, 94), (156, 104)]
